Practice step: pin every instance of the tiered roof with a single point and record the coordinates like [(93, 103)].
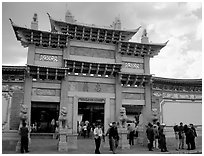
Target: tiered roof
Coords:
[(62, 32), (91, 32), (40, 38), (167, 84)]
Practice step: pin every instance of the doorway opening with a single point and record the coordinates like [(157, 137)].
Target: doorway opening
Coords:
[(91, 112), (42, 114)]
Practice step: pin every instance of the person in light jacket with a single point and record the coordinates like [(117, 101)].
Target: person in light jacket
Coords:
[(97, 136)]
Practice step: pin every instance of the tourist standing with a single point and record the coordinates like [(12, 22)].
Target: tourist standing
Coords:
[(159, 127), (84, 130), (97, 136), (195, 135), (114, 137), (150, 136), (181, 136), (52, 126), (176, 132), (162, 138), (156, 136), (107, 133), (131, 134), (24, 138)]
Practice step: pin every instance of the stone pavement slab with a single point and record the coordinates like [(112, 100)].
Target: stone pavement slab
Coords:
[(87, 146)]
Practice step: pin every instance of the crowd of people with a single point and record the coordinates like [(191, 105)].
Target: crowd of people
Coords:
[(185, 132), (155, 135), (157, 138)]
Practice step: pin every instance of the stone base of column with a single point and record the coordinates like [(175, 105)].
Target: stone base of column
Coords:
[(72, 141), (142, 137), (123, 142), (62, 145)]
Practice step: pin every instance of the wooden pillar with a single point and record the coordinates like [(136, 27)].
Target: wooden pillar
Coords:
[(31, 54), (28, 81), (75, 114), (118, 88), (147, 108), (28, 96), (107, 114)]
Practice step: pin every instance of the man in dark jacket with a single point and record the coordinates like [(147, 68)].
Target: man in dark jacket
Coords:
[(162, 138), (113, 136), (24, 138), (193, 138), (150, 136)]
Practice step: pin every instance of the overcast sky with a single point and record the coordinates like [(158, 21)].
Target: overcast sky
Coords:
[(180, 23)]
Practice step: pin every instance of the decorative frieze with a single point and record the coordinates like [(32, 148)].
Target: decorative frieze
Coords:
[(92, 52), (11, 87), (50, 58), (97, 100), (133, 65), (171, 95), (91, 87), (134, 96), (45, 92)]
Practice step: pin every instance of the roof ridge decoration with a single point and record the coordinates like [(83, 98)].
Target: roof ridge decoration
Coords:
[(91, 32), (39, 38)]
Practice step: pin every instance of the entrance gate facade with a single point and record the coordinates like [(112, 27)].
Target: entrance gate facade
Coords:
[(86, 63)]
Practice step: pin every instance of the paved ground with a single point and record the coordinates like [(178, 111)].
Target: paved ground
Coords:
[(87, 146)]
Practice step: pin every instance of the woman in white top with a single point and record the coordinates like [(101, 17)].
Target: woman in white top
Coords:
[(97, 136)]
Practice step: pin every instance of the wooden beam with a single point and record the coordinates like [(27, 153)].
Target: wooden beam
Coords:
[(120, 36), (67, 29), (56, 71), (65, 73), (90, 35), (143, 79), (49, 40), (105, 36), (113, 33), (31, 37), (135, 80), (135, 49), (119, 46), (67, 41), (58, 40), (83, 33), (47, 72), (40, 38), (104, 73), (128, 79), (98, 34), (75, 31), (38, 72), (142, 50), (149, 50), (73, 67), (113, 69), (128, 47), (89, 68), (82, 67), (98, 65)]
